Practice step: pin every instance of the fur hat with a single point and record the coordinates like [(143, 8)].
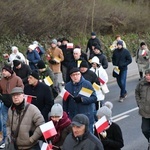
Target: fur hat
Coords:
[(120, 43), (105, 111), (16, 63), (56, 110), (8, 68), (73, 70), (41, 64), (35, 74), (84, 64)]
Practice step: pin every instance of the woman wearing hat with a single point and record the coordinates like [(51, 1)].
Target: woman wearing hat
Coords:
[(142, 59), (111, 138), (62, 124)]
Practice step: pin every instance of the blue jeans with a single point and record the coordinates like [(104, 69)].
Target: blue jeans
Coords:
[(4, 120), (146, 127), (121, 80)]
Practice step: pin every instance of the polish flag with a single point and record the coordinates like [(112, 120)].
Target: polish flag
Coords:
[(46, 146), (101, 124), (28, 98), (64, 94), (69, 45), (143, 52), (48, 129)]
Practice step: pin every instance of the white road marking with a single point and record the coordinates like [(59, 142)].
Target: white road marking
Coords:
[(123, 115)]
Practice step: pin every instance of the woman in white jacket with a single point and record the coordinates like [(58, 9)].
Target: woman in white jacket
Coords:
[(103, 79)]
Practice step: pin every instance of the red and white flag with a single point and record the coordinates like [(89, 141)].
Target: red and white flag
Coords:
[(28, 98), (69, 45), (48, 129), (143, 52), (64, 94), (101, 124), (46, 146)]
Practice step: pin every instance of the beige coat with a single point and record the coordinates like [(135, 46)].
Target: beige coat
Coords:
[(56, 53), (29, 131)]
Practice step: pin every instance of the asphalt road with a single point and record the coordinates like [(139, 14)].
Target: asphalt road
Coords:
[(126, 115)]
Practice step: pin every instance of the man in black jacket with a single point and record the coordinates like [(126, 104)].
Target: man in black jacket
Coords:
[(81, 138), (121, 58), (41, 95)]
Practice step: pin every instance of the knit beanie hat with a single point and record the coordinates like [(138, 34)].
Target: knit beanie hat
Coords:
[(93, 34), (41, 64), (35, 74), (32, 47), (84, 64), (95, 59), (73, 70), (8, 68), (54, 41), (56, 110), (16, 63), (120, 43), (105, 111)]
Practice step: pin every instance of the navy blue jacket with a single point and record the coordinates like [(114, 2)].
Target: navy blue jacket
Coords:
[(86, 107), (121, 58), (43, 99)]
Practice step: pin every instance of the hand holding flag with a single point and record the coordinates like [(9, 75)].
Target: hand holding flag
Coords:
[(65, 94), (48, 129), (101, 125), (29, 98)]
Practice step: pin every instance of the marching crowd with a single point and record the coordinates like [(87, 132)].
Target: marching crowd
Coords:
[(29, 86)]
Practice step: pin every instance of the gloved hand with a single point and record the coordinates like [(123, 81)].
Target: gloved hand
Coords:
[(78, 99), (103, 134), (51, 61)]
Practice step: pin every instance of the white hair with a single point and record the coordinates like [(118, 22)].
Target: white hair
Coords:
[(77, 50), (14, 48)]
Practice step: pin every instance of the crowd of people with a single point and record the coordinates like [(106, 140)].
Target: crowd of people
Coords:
[(30, 84)]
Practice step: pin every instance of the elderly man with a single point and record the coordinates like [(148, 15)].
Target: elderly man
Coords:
[(82, 99), (142, 95), (29, 117), (41, 95), (81, 138)]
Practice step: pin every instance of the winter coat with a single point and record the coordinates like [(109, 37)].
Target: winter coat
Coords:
[(102, 59), (33, 58), (142, 61), (23, 72), (142, 95), (43, 99), (90, 43), (29, 131), (102, 75), (86, 142), (6, 86), (87, 106), (121, 58), (114, 139), (63, 128), (55, 53)]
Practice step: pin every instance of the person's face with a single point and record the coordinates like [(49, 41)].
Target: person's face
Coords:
[(93, 36), (78, 130), (32, 80), (147, 77), (83, 69), (144, 47), (53, 45), (94, 65), (17, 98), (55, 118), (19, 66), (58, 43), (5, 73), (64, 42), (75, 77), (119, 46), (15, 51), (76, 55), (96, 51)]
